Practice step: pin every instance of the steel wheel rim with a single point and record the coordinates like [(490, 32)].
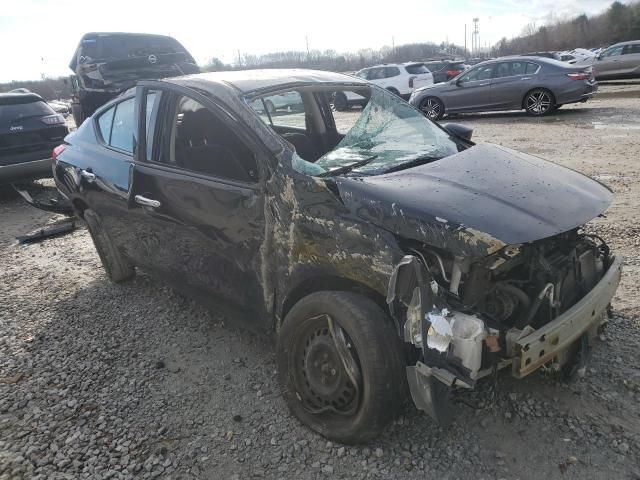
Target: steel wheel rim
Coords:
[(431, 107), (323, 384), (538, 102)]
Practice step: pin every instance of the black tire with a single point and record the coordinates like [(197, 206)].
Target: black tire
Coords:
[(117, 267), (557, 106), (539, 102), (340, 102), (432, 107), (372, 346), (271, 108), (78, 114)]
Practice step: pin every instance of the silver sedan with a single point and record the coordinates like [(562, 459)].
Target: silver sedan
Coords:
[(536, 84)]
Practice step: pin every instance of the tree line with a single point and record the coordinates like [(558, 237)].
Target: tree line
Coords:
[(620, 22), (340, 62)]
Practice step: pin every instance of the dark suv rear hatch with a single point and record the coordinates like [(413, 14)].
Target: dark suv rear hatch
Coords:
[(29, 128), (114, 61)]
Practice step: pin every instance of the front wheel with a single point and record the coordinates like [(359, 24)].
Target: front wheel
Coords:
[(432, 107), (539, 102), (340, 366)]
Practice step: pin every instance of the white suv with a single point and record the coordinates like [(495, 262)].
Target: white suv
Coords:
[(399, 78)]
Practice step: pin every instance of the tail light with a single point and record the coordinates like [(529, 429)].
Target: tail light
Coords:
[(579, 75), (453, 73), (56, 153), (53, 119), (411, 79)]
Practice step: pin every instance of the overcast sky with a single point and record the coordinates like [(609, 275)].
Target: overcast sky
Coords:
[(39, 36)]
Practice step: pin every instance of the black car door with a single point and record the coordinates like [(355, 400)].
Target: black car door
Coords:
[(196, 200)]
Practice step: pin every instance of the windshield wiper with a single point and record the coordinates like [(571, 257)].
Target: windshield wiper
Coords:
[(348, 168), (414, 162)]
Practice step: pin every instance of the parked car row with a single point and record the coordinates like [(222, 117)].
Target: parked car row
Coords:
[(618, 61)]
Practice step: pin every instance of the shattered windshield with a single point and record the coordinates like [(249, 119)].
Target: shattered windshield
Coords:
[(388, 133), (384, 134)]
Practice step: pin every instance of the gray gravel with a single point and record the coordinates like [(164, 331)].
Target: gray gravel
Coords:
[(135, 381)]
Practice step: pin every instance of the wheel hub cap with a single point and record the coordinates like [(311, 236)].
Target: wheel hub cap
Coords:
[(539, 102), (323, 383), (431, 108)]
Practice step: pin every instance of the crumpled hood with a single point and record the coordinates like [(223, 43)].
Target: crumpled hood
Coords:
[(475, 202)]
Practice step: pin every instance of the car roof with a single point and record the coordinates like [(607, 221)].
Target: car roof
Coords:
[(527, 58), (128, 34), (246, 81), (628, 42), (10, 98)]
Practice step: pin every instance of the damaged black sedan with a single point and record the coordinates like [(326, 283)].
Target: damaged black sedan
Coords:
[(381, 248)]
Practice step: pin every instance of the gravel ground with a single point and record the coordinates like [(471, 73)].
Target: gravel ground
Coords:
[(135, 381)]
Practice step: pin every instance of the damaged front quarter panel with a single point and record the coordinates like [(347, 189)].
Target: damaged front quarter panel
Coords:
[(448, 344)]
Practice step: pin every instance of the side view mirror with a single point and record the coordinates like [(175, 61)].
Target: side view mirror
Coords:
[(458, 130), (457, 82)]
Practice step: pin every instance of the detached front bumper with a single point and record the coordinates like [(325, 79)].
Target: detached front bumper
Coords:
[(543, 345)]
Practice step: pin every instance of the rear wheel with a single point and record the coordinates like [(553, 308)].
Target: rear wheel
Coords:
[(539, 102), (340, 366), (432, 107), (117, 267)]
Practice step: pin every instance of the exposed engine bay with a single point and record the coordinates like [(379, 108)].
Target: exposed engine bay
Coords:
[(526, 306), (525, 285)]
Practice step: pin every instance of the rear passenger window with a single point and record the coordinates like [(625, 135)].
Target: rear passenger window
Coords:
[(518, 68), (376, 74), (123, 125), (391, 72), (202, 143), (631, 49), (531, 68), (416, 69), (503, 70)]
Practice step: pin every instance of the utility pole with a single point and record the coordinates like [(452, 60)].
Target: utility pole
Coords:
[(306, 39), (239, 59), (465, 38), (475, 36)]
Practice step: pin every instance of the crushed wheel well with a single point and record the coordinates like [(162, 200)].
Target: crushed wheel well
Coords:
[(329, 282)]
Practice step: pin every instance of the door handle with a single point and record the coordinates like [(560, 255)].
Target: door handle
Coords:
[(88, 176), (525, 78), (147, 202), (483, 84)]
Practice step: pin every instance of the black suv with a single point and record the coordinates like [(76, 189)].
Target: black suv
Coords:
[(107, 64), (29, 130)]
